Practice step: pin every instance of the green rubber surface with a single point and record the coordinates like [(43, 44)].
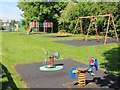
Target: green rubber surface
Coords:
[(47, 68)]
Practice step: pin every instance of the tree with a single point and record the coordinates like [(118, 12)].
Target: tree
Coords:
[(67, 14), (89, 9), (41, 11), (12, 23), (1, 22)]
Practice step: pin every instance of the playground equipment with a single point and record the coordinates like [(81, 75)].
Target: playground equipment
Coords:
[(51, 66), (34, 27), (21, 25), (93, 20), (47, 25), (51, 58), (62, 33), (81, 71)]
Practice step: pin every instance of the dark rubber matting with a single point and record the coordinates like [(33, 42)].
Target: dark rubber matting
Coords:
[(34, 78), (89, 42), (57, 36)]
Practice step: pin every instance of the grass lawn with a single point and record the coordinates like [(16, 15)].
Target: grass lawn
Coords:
[(22, 49)]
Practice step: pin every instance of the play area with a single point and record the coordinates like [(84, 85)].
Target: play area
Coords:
[(85, 39), (57, 46), (89, 42), (37, 27), (60, 73), (36, 78), (93, 20), (54, 36), (63, 73)]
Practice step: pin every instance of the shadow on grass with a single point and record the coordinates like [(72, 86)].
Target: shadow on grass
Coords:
[(112, 69), (112, 60), (9, 83)]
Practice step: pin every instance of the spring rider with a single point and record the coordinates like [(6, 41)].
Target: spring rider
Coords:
[(51, 58), (81, 71), (51, 66)]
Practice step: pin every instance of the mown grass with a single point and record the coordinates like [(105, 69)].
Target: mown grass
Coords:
[(22, 49)]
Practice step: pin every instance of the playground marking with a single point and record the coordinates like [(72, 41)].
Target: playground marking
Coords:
[(47, 68)]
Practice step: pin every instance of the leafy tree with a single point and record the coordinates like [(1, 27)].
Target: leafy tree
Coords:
[(1, 24), (12, 23), (67, 13), (89, 9), (41, 11)]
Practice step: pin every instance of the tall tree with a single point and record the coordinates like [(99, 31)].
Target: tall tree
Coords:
[(41, 11), (88, 9)]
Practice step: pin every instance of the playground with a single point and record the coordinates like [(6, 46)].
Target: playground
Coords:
[(89, 42), (68, 44), (61, 78), (25, 70), (61, 69)]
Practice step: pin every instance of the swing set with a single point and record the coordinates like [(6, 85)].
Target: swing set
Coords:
[(93, 21)]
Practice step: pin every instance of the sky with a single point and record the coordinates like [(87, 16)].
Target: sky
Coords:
[(9, 10)]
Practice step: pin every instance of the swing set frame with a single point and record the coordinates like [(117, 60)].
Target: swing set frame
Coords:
[(93, 19)]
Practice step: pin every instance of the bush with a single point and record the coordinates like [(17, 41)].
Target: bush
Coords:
[(2, 28), (102, 33), (111, 33)]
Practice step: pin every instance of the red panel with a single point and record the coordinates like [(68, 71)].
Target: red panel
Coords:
[(49, 24), (91, 61), (33, 24)]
